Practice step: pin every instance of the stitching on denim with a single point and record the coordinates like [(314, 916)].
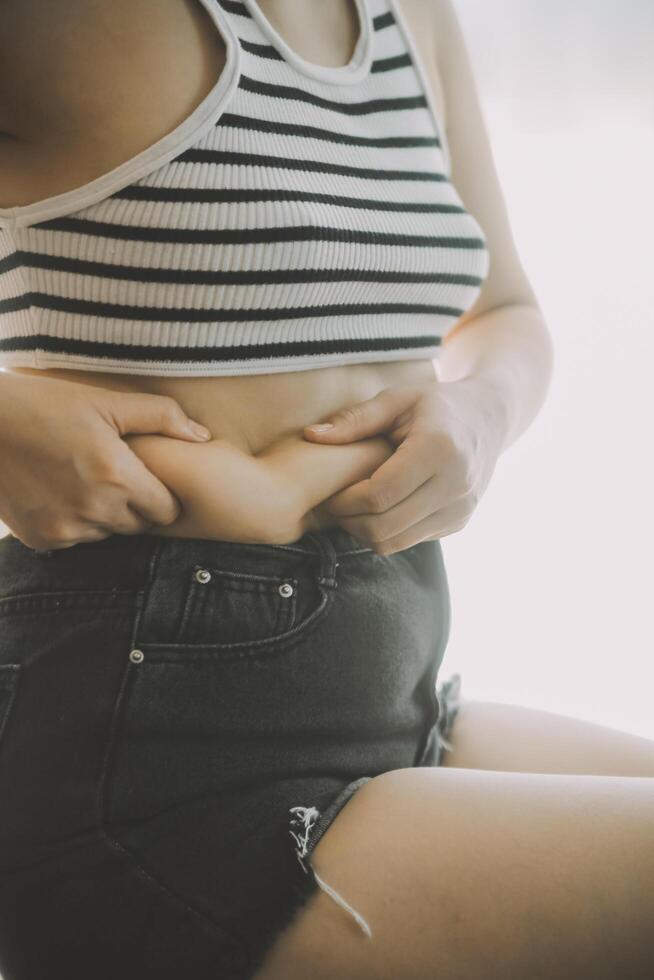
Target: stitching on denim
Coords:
[(186, 611), (141, 604), (75, 597), (247, 581), (117, 614), (296, 631), (72, 592), (287, 609), (10, 685), (256, 584), (307, 551), (294, 548), (142, 872), (109, 755), (287, 547)]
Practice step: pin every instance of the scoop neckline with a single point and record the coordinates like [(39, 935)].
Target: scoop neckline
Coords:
[(355, 70)]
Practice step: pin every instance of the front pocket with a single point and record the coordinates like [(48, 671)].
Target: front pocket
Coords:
[(226, 607), (191, 718), (9, 674)]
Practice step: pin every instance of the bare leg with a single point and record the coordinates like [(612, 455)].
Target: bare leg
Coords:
[(466, 874), (489, 735)]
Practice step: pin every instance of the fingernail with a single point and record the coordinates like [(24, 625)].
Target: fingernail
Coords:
[(321, 427), (199, 430)]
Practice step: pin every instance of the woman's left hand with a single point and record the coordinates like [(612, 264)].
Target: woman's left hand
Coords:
[(449, 436)]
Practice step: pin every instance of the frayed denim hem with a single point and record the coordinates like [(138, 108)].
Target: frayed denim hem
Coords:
[(449, 701)]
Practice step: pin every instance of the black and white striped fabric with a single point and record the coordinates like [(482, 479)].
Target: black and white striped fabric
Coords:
[(302, 216)]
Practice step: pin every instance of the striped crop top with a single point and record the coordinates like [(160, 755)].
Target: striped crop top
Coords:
[(302, 216)]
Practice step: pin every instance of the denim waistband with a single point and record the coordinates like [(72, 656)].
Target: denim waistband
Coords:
[(125, 561)]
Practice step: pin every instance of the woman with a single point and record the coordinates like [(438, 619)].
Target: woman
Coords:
[(222, 746)]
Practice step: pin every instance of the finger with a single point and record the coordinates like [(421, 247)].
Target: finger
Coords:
[(439, 525), (129, 522), (411, 465), (376, 528), (365, 419), (98, 533), (137, 412), (87, 536), (148, 497)]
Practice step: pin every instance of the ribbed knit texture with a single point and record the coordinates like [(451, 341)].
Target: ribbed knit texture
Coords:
[(301, 217)]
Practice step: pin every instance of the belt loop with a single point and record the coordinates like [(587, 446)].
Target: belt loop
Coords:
[(327, 552)]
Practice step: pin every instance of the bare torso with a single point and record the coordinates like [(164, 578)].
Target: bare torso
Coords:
[(120, 76)]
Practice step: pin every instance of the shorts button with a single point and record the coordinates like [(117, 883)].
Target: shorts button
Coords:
[(137, 656), (285, 590), (203, 576)]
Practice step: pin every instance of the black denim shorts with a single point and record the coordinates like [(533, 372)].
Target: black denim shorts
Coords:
[(180, 722)]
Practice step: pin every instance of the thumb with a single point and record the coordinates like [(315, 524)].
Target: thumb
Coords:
[(365, 419), (133, 413)]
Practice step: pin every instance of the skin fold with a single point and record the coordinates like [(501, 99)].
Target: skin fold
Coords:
[(272, 497)]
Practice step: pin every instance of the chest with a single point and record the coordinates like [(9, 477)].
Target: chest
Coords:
[(125, 74), (229, 204)]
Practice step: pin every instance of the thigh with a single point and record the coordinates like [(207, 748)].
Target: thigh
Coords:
[(508, 737), (463, 874)]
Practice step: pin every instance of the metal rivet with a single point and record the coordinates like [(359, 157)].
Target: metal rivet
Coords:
[(203, 576), (137, 656), (285, 590)]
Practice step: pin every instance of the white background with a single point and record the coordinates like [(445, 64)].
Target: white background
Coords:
[(551, 581)]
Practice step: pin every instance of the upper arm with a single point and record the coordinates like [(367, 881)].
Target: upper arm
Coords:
[(473, 169)]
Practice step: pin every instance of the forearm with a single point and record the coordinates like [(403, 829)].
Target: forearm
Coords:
[(509, 351)]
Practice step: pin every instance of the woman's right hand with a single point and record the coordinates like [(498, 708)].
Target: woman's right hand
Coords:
[(66, 474)]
